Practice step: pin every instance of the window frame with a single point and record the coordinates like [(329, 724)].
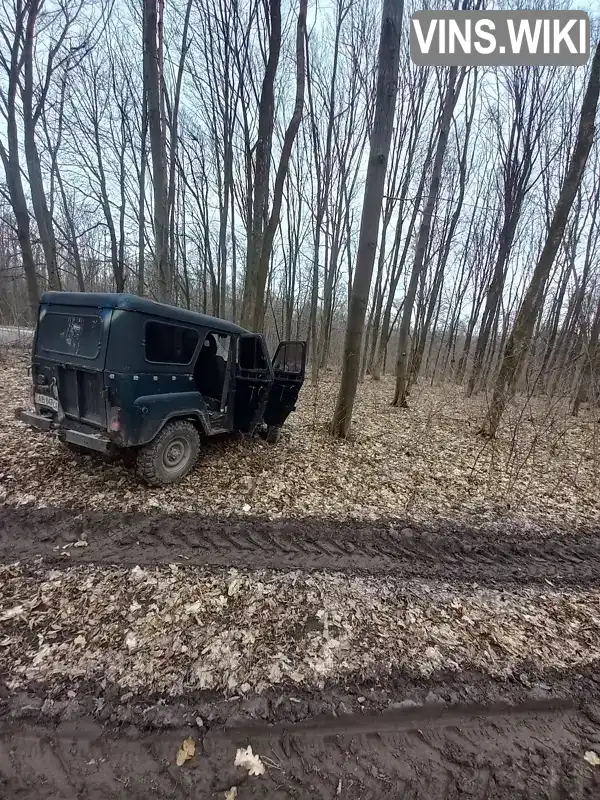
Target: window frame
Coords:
[(260, 343), (70, 354), (170, 325), (281, 347)]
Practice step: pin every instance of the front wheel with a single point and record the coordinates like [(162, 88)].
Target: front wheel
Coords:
[(171, 455)]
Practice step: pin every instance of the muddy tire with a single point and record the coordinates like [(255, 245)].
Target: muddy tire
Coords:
[(170, 456), (273, 434)]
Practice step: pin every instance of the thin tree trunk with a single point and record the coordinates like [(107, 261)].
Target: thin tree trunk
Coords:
[(153, 91), (397, 267), (32, 156), (452, 91), (12, 166), (589, 378), (385, 104), (141, 281), (262, 162), (284, 160), (233, 259), (174, 134), (520, 336)]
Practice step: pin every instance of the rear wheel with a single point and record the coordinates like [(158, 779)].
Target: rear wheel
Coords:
[(171, 455)]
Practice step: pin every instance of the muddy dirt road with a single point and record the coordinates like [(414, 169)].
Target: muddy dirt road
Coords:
[(486, 557), (410, 736), (531, 751)]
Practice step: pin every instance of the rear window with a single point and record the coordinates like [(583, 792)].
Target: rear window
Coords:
[(70, 334), (169, 344)]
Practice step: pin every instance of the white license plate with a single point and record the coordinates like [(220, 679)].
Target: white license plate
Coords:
[(44, 400)]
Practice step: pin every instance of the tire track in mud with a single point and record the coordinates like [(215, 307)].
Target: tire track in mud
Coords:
[(452, 554), (530, 751)]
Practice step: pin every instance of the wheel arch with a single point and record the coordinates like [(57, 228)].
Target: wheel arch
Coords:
[(194, 416)]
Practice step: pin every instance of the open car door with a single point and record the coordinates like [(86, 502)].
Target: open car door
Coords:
[(253, 380), (289, 365)]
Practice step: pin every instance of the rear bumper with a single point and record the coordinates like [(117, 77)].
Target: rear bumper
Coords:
[(93, 441), (35, 420)]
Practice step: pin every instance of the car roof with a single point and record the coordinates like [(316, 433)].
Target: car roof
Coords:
[(132, 302)]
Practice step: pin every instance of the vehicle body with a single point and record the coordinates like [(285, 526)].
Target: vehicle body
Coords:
[(117, 372)]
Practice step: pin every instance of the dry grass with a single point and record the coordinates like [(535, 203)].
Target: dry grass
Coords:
[(176, 629), (424, 462)]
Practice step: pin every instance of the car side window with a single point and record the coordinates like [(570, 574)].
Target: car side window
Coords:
[(169, 344), (289, 357), (210, 369), (251, 355)]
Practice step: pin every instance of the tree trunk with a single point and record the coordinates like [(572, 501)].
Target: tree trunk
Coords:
[(32, 156), (520, 337), (264, 261), (153, 91), (385, 104), (141, 278), (174, 138), (434, 300), (262, 163), (589, 378), (12, 166), (233, 259), (323, 180), (397, 267), (12, 172), (452, 90)]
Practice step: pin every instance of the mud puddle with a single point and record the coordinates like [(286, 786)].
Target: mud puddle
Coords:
[(532, 750)]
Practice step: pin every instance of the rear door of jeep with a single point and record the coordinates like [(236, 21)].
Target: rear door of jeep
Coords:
[(68, 363)]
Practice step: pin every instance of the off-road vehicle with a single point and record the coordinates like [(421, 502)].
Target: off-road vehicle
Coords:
[(117, 372)]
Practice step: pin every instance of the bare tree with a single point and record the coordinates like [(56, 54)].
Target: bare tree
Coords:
[(520, 336), (451, 92), (153, 90), (256, 280), (530, 98), (258, 198), (588, 383), (385, 103), (13, 65), (66, 201)]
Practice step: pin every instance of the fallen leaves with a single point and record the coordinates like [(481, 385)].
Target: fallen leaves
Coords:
[(91, 623), (234, 585), (11, 613), (544, 463), (174, 629), (250, 761), (592, 758), (186, 751)]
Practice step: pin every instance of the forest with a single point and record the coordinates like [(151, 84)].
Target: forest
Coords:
[(398, 594), (285, 165)]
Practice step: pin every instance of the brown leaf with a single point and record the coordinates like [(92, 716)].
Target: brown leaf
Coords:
[(186, 751)]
